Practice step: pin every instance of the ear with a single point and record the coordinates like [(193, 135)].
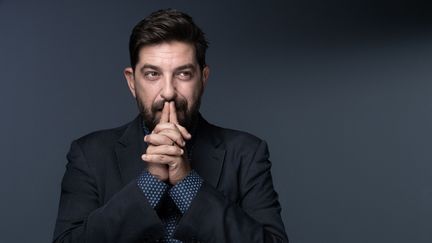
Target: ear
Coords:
[(205, 75), (129, 75)]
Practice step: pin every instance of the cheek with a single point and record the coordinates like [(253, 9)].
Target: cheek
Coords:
[(191, 93), (147, 93), (198, 91)]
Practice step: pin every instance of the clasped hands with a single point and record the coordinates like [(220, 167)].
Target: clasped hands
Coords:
[(166, 151)]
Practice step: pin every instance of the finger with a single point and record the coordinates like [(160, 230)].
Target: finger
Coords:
[(165, 113), (160, 159), (173, 119), (175, 136), (184, 132), (171, 132), (166, 150), (162, 126), (173, 113), (158, 139)]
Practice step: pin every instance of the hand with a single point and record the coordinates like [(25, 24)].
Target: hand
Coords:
[(166, 155), (160, 171)]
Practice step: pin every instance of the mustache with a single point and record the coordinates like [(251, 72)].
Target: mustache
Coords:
[(180, 105)]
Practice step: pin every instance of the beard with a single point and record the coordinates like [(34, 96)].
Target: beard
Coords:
[(185, 116)]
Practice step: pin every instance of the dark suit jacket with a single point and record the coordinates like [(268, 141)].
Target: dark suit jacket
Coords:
[(101, 202)]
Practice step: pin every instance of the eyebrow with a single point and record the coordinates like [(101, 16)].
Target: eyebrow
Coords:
[(187, 66), (149, 66), (183, 67)]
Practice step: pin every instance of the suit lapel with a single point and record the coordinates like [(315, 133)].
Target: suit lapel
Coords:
[(208, 153), (129, 149)]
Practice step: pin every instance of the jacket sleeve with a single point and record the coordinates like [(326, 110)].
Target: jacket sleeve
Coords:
[(126, 217), (212, 217)]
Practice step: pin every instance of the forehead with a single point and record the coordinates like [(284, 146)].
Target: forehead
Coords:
[(167, 54)]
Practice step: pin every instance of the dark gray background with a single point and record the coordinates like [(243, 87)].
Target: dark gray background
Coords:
[(341, 91)]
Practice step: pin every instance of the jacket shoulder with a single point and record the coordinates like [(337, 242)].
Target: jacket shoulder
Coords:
[(237, 139), (101, 138)]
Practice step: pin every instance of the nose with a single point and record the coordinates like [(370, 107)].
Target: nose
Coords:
[(168, 92)]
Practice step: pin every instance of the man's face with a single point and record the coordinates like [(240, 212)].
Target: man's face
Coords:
[(167, 72)]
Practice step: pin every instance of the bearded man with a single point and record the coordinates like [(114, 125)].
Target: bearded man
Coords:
[(169, 175)]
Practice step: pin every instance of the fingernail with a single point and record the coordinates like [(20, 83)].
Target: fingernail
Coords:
[(182, 152), (144, 156), (145, 138)]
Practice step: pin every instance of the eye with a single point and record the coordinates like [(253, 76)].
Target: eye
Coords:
[(184, 75), (151, 75)]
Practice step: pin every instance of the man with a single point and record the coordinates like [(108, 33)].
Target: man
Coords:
[(168, 175)]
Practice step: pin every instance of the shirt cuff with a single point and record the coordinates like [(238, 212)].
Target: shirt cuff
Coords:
[(152, 187), (185, 191)]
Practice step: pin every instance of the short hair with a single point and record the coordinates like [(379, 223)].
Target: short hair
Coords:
[(167, 25)]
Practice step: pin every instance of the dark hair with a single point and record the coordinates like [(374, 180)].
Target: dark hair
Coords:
[(167, 25)]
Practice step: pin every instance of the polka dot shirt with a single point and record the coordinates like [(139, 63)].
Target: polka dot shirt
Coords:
[(170, 202)]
